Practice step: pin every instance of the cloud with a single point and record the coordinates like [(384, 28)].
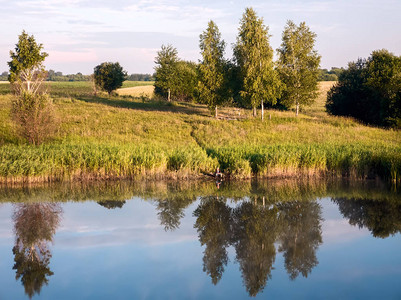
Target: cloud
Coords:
[(340, 231)]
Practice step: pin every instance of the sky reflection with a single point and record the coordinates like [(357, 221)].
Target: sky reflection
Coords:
[(126, 252)]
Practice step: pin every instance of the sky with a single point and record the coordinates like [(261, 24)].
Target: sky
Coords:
[(80, 34)]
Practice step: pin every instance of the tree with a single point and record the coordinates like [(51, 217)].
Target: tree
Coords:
[(211, 84), (26, 65), (186, 80), (109, 76), (32, 109), (166, 71), (298, 65), (254, 56), (369, 90)]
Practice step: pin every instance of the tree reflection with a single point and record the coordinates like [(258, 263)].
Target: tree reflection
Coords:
[(255, 233), (111, 204), (301, 237), (214, 229), (253, 228), (382, 218), (171, 210), (34, 226)]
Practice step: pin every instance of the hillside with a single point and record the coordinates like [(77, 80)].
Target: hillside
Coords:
[(131, 137)]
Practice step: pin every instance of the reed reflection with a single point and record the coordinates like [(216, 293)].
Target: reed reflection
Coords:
[(34, 227), (253, 228)]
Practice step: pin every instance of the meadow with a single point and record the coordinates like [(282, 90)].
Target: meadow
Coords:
[(131, 135)]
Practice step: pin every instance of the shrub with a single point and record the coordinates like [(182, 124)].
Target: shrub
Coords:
[(34, 116)]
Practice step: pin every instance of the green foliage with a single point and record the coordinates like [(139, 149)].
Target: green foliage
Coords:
[(27, 60), (332, 75), (185, 82), (298, 65), (141, 77), (369, 90), (254, 57), (166, 71), (212, 85), (58, 76), (34, 116), (32, 109), (109, 76), (4, 76)]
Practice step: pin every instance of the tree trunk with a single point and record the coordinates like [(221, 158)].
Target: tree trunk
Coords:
[(297, 105), (215, 112), (263, 111), (254, 111), (168, 96)]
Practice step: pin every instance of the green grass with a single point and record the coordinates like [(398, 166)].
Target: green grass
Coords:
[(122, 137)]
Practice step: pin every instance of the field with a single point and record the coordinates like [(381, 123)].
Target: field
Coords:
[(129, 136), (137, 91)]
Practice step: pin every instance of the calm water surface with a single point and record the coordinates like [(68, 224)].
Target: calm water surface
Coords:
[(275, 240)]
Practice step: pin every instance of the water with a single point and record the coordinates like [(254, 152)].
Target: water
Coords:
[(276, 240)]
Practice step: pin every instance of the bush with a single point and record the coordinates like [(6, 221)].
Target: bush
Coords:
[(369, 90), (34, 116)]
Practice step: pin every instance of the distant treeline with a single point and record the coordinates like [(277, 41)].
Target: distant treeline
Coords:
[(324, 75), (58, 76), (332, 75)]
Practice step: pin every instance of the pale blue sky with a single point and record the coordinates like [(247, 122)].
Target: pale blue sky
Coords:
[(79, 34)]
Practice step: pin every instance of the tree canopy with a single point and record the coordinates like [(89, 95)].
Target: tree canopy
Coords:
[(211, 86), (369, 90), (254, 57), (27, 61), (298, 65), (109, 76), (166, 71)]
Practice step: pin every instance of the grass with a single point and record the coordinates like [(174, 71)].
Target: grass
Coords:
[(124, 136)]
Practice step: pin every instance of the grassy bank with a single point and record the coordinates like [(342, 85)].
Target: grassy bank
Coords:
[(128, 137)]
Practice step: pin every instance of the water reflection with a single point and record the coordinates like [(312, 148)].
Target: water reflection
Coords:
[(253, 228), (258, 221), (171, 210), (301, 237), (214, 226), (382, 218), (111, 204), (34, 227)]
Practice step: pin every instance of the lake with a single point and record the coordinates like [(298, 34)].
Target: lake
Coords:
[(277, 239)]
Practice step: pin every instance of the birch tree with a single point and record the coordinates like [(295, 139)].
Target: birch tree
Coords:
[(211, 84), (26, 66), (298, 66), (254, 56), (166, 70), (32, 109)]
